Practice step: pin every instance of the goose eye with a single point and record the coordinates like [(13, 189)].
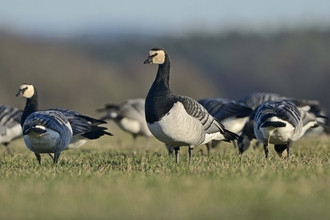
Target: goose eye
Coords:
[(23, 90), (153, 55)]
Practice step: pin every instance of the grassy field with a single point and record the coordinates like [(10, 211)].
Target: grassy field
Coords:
[(109, 179)]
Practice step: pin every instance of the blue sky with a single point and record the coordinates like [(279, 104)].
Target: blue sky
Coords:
[(66, 17)]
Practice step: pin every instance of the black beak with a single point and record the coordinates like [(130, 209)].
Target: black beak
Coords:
[(19, 93), (148, 61)]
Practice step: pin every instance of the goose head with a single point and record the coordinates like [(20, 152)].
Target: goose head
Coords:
[(26, 90), (156, 56)]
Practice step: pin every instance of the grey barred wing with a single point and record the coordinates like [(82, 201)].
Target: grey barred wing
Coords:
[(196, 110)]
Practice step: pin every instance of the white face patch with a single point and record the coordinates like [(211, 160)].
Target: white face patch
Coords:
[(26, 90), (159, 58)]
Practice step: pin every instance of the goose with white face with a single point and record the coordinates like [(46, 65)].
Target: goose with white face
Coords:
[(55, 130), (25, 90), (155, 57)]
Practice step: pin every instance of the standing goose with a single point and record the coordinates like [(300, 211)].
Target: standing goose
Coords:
[(178, 120), (281, 123), (129, 115), (10, 127), (83, 127), (43, 131)]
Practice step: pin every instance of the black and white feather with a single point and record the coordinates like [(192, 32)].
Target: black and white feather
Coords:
[(281, 123), (129, 115), (254, 100), (55, 130), (178, 120), (84, 128), (10, 127), (233, 115)]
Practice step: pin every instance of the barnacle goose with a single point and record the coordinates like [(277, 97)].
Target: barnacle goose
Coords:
[(253, 100), (178, 120), (72, 129), (10, 127), (233, 115), (281, 123), (129, 115), (311, 106)]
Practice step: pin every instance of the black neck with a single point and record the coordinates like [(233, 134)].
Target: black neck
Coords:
[(30, 106), (158, 101)]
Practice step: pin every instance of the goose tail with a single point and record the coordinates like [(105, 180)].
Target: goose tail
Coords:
[(230, 136)]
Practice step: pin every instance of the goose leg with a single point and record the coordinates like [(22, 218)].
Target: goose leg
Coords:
[(38, 157), (266, 150), (8, 149), (208, 147), (51, 156), (134, 140), (170, 149), (56, 156), (176, 150), (190, 148), (288, 146)]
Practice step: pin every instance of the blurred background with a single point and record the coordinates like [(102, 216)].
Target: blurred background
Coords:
[(83, 54)]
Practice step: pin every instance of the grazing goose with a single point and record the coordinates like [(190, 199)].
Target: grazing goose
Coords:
[(10, 127), (311, 106), (281, 123), (178, 120), (129, 115), (82, 128), (231, 114)]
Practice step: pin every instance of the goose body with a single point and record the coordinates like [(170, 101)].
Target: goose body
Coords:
[(47, 132), (54, 130), (281, 123), (10, 127), (129, 115), (178, 120)]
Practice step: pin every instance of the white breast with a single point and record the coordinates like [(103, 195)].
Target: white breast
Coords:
[(178, 128)]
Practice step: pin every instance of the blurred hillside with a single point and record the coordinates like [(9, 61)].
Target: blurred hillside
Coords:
[(84, 73)]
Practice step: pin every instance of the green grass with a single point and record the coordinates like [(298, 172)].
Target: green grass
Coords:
[(109, 179)]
